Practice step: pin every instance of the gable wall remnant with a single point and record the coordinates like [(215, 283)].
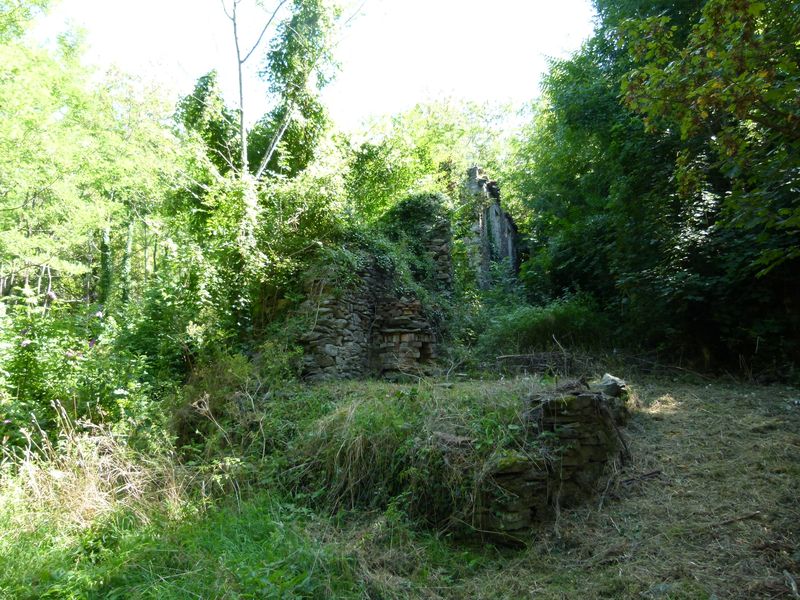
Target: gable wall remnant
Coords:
[(494, 233), (371, 329)]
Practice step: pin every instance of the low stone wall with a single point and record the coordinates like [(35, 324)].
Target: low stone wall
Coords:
[(574, 434)]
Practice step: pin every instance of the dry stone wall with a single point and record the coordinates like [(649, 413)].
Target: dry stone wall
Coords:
[(370, 328), (439, 246), (575, 433), (494, 233), (338, 344)]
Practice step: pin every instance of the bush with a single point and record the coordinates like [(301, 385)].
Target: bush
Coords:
[(574, 322)]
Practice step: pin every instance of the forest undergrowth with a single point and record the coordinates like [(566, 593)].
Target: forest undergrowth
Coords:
[(707, 507), (159, 437)]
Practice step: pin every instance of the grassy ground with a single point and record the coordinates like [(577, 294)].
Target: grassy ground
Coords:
[(709, 507)]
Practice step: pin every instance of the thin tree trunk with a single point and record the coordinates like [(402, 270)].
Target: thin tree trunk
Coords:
[(127, 264), (239, 64), (287, 118), (39, 280), (47, 297), (144, 245), (105, 266)]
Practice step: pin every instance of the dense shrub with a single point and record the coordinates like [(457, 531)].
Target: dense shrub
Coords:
[(572, 322)]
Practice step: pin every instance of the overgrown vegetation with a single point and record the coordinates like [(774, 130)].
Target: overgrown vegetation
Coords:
[(157, 439), (658, 170), (119, 524)]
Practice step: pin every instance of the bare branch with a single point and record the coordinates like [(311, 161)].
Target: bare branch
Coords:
[(225, 10), (242, 128), (263, 31)]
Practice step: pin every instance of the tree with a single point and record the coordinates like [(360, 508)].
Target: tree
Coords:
[(205, 113), (733, 86), (75, 158), (300, 50), (15, 15), (658, 171), (242, 57)]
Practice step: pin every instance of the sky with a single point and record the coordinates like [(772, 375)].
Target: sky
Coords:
[(393, 54)]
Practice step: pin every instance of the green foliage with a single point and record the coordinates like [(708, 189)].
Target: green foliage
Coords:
[(424, 150), (300, 141), (738, 77), (86, 162), (297, 66), (379, 174), (258, 550), (15, 15), (205, 114), (408, 225), (575, 323), (657, 172), (301, 47)]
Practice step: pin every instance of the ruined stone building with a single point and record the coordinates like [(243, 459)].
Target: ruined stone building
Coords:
[(372, 329)]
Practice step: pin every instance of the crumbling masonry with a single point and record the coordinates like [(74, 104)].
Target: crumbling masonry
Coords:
[(370, 329)]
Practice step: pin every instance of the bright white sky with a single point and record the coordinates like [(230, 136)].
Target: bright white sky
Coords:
[(394, 54)]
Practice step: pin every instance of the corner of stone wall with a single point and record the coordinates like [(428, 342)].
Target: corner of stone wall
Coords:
[(574, 436), (493, 238)]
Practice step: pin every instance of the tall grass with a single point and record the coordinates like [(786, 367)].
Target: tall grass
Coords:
[(575, 322), (90, 517), (424, 450)]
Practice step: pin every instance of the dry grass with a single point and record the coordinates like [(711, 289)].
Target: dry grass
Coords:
[(89, 473), (708, 508), (384, 439)]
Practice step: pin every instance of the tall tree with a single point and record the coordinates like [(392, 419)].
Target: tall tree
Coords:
[(659, 171), (232, 11)]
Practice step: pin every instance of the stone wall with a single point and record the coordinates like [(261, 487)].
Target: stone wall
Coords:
[(369, 329), (494, 233), (338, 344), (439, 246), (574, 434), (404, 340)]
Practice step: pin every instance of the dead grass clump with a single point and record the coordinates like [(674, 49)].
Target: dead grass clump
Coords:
[(89, 473)]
